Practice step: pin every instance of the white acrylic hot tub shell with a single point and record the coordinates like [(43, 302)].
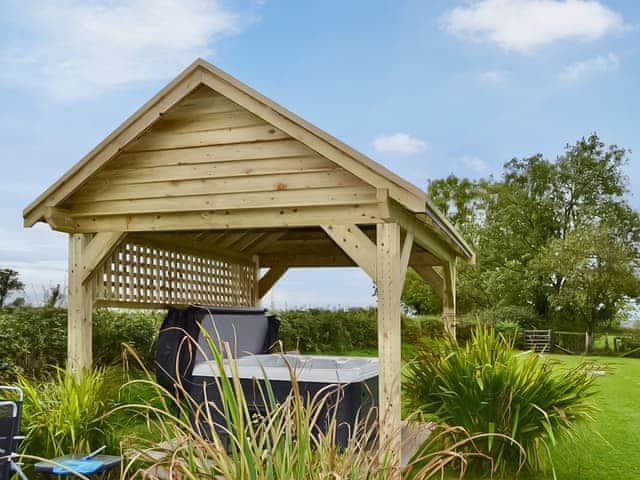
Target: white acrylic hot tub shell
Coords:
[(307, 368)]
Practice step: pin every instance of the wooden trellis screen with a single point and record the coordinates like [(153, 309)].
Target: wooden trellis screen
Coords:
[(135, 275)]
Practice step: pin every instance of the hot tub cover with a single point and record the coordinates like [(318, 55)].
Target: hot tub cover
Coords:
[(181, 343)]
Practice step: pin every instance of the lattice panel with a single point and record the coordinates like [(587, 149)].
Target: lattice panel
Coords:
[(137, 275)]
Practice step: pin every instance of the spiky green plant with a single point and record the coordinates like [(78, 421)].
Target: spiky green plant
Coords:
[(486, 386), (66, 415), (282, 444)]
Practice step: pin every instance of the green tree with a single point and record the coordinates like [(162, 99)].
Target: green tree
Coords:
[(9, 283), (536, 201), (590, 276), (462, 200), (418, 297)]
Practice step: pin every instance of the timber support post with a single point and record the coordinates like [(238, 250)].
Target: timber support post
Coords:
[(449, 299), (80, 308), (389, 285)]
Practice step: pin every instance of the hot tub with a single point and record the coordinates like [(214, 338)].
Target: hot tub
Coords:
[(308, 368), (356, 376)]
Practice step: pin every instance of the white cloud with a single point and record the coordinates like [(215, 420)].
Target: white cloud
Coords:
[(524, 25), (579, 70), (76, 49), (399, 143), (476, 164), (494, 78)]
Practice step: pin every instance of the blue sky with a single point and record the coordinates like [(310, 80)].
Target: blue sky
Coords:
[(426, 88)]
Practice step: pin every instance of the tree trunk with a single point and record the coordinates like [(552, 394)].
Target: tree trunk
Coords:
[(588, 339)]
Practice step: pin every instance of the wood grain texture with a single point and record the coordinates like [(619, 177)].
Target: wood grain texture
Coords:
[(97, 249), (286, 198), (212, 154), (222, 219), (205, 110), (431, 277), (142, 119), (405, 255), (423, 235), (238, 168), (356, 245), (80, 309), (140, 274), (268, 280), (449, 298), (389, 289), (260, 183), (168, 140)]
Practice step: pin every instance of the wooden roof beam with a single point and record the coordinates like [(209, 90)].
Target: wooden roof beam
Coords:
[(306, 261), (432, 278), (355, 244), (405, 255), (59, 219), (268, 280), (422, 234), (143, 118), (101, 245), (184, 243)]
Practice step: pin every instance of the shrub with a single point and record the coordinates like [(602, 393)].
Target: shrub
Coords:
[(486, 387), (431, 326), (319, 330), (34, 339), (464, 332), (113, 328), (322, 330), (411, 330), (525, 317), (630, 346), (64, 415), (510, 330)]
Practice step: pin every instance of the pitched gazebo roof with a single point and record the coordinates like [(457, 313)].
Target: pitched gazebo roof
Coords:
[(153, 165)]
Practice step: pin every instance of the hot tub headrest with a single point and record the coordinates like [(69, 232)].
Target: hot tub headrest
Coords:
[(244, 329)]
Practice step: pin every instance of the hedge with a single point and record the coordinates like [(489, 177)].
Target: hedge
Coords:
[(34, 339), (318, 330)]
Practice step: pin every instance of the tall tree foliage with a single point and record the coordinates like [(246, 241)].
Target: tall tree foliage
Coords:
[(589, 273), (9, 283), (536, 207)]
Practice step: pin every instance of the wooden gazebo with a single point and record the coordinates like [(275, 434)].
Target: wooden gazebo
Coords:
[(210, 182)]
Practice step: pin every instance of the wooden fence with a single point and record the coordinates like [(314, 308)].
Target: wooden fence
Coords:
[(537, 340)]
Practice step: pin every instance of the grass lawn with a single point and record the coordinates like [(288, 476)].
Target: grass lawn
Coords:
[(607, 449)]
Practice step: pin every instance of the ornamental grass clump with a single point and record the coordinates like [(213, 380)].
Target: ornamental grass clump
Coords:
[(282, 443), (487, 387), (65, 414)]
